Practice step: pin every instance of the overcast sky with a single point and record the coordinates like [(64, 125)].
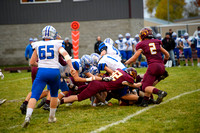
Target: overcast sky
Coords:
[(147, 15)]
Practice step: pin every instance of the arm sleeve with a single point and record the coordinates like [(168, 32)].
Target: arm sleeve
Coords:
[(61, 60), (26, 52)]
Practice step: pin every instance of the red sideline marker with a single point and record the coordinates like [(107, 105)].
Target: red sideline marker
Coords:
[(75, 38)]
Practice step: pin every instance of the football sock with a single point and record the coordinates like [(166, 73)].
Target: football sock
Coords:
[(155, 91), (47, 101), (29, 112), (52, 112), (140, 99), (25, 102), (61, 101)]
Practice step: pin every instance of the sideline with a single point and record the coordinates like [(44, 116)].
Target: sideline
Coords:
[(139, 112)]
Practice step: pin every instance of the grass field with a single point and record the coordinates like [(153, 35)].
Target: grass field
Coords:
[(179, 115)]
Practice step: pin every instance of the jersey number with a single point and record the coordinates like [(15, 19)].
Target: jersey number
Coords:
[(43, 54), (115, 50), (115, 75), (152, 48)]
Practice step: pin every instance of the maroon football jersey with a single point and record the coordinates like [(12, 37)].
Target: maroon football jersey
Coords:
[(118, 77), (151, 49)]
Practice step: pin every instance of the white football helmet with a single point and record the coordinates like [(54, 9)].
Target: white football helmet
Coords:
[(109, 41), (174, 34), (49, 32), (158, 35), (120, 36), (127, 35)]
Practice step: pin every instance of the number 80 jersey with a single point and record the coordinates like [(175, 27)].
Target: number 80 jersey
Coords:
[(151, 49), (47, 52)]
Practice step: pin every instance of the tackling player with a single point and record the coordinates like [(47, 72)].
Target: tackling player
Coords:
[(152, 49), (46, 52)]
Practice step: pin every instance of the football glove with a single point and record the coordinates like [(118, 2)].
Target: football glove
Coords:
[(107, 79)]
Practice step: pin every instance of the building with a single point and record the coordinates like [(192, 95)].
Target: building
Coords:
[(20, 20)]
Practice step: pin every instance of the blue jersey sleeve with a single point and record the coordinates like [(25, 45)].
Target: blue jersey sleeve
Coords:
[(75, 65)]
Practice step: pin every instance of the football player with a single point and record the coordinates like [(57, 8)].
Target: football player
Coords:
[(47, 53), (120, 78), (129, 45), (186, 45), (177, 46), (121, 46), (197, 44), (135, 42), (108, 48), (152, 49)]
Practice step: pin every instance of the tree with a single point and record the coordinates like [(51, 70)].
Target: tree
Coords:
[(192, 9), (176, 8)]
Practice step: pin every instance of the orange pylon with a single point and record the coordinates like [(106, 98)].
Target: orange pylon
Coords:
[(75, 38)]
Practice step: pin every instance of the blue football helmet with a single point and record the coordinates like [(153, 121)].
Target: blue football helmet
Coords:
[(95, 58), (94, 70), (86, 61)]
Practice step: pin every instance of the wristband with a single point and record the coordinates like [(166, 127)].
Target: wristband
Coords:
[(89, 79), (67, 57), (93, 78)]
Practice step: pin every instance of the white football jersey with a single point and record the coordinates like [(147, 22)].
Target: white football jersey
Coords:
[(135, 43), (121, 44), (111, 62), (47, 52), (111, 50), (185, 44), (130, 44), (198, 41), (177, 41)]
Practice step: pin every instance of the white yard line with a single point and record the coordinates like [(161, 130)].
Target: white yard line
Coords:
[(139, 112), (15, 80), (15, 100)]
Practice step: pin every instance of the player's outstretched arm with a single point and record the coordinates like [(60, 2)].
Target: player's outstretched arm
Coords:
[(108, 70), (33, 61), (134, 57), (64, 53), (134, 85)]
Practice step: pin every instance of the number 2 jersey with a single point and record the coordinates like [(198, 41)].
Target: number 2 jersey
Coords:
[(151, 49), (48, 54)]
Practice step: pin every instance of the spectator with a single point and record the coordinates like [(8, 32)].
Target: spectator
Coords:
[(196, 32), (96, 45), (169, 45), (29, 50), (68, 46), (170, 32)]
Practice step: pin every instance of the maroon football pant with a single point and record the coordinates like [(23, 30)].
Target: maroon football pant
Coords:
[(154, 70), (93, 88)]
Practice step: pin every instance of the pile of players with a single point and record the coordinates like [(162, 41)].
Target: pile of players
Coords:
[(98, 77)]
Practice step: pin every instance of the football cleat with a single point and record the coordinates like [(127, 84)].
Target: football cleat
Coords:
[(23, 108), (161, 95), (52, 119), (26, 122), (43, 101), (144, 103), (46, 107)]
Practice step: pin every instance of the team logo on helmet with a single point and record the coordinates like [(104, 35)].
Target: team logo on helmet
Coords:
[(146, 33), (132, 72)]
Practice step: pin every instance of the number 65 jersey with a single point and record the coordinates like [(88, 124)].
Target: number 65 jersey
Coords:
[(151, 49), (48, 53)]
